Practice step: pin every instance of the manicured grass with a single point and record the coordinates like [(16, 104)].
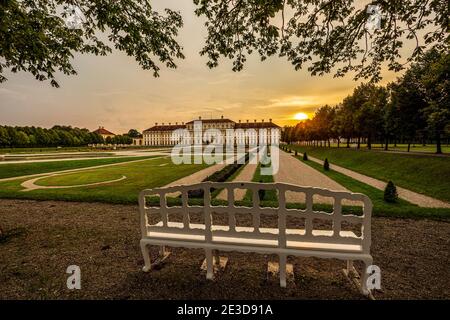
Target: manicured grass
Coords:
[(401, 209), (428, 175), (74, 179), (8, 170), (69, 149), (140, 175), (39, 150), (270, 197), (429, 148)]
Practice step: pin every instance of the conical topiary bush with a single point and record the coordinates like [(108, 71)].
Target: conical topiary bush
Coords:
[(326, 165), (305, 156), (390, 192)]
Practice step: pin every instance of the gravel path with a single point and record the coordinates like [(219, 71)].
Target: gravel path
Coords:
[(245, 175), (405, 194), (42, 238), (296, 172)]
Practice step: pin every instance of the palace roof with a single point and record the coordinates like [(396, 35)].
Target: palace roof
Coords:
[(102, 130), (211, 120), (168, 127), (255, 125)]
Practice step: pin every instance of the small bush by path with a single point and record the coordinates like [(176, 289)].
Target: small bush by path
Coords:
[(428, 175), (401, 208)]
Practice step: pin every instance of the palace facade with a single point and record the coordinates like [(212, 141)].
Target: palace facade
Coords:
[(161, 134)]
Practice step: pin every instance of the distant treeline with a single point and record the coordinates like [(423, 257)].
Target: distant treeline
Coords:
[(413, 109), (58, 136)]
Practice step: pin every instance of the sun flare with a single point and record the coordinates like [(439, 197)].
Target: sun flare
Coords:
[(301, 116)]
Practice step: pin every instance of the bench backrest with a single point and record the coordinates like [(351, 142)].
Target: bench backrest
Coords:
[(307, 212)]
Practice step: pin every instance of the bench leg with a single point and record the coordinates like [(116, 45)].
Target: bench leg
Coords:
[(282, 270), (147, 262), (349, 267), (209, 264), (365, 275)]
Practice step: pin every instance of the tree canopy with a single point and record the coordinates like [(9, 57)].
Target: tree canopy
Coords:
[(326, 35), (415, 108), (57, 136), (35, 38)]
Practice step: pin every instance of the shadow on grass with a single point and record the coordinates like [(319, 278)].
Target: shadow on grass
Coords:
[(11, 234)]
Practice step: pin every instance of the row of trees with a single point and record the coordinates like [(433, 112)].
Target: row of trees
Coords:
[(119, 139), (414, 109), (57, 136)]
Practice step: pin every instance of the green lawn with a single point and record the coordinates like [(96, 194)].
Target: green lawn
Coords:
[(69, 149), (9, 170), (45, 149), (86, 177), (428, 175), (140, 175), (402, 208), (429, 148)]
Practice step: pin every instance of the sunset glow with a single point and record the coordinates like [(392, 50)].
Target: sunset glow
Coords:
[(301, 116)]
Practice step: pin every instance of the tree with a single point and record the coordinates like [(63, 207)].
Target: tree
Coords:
[(34, 36), (435, 83), (370, 101), (326, 165), (390, 192), (133, 133), (22, 139), (323, 33)]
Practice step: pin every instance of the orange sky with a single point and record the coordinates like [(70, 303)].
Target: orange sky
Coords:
[(114, 92)]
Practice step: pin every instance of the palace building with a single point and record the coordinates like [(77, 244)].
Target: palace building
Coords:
[(104, 133), (161, 134)]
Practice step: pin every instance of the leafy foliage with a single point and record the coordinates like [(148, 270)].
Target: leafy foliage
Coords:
[(305, 156), (62, 136), (35, 38), (390, 193), (218, 176), (326, 165), (326, 34), (416, 106)]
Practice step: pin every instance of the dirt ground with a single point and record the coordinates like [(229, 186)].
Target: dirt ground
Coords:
[(41, 239)]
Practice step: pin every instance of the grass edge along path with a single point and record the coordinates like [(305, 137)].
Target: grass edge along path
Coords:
[(405, 170), (138, 178), (401, 209), (11, 171)]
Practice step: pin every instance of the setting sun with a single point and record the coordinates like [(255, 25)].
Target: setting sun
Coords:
[(301, 116)]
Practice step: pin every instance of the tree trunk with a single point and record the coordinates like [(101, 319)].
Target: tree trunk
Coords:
[(359, 142), (438, 143), (369, 142), (348, 142), (409, 146), (339, 141), (386, 144)]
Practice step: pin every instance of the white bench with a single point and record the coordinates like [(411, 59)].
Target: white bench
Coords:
[(302, 241)]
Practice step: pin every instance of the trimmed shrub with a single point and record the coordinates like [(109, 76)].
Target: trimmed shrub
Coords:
[(296, 153), (261, 192), (326, 164), (390, 192), (305, 157), (218, 176)]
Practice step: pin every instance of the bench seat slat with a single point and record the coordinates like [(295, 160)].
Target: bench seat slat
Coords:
[(321, 239)]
